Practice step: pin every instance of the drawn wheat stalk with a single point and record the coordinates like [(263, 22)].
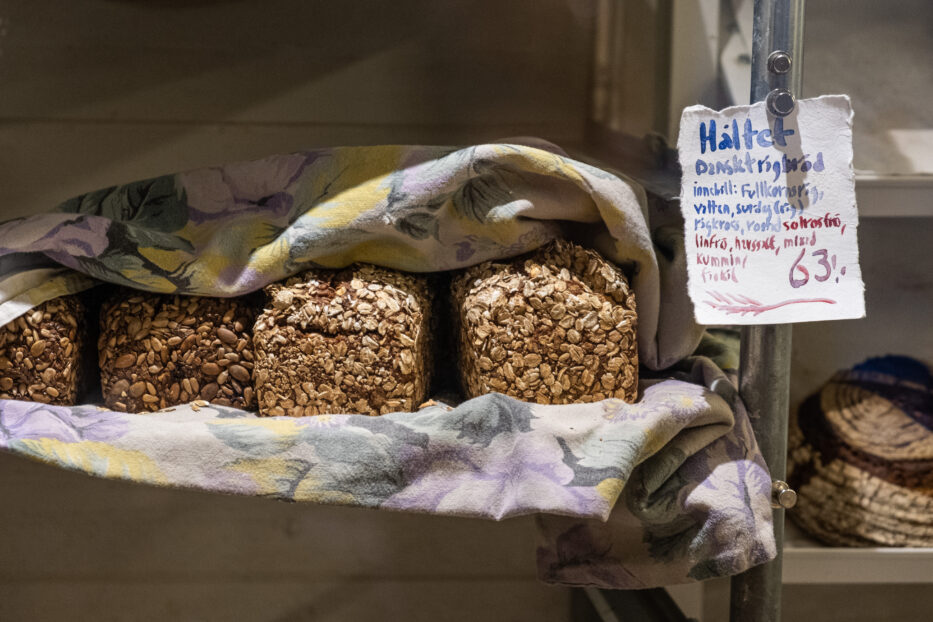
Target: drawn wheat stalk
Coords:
[(736, 304)]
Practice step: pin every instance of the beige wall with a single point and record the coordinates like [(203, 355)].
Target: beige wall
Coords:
[(78, 548), (94, 92)]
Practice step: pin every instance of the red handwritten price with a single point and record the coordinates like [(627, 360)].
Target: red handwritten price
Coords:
[(825, 267)]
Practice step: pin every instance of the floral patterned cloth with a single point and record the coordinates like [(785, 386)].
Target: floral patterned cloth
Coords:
[(677, 475), (696, 509)]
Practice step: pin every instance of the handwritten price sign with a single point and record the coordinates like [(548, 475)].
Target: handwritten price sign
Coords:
[(769, 213)]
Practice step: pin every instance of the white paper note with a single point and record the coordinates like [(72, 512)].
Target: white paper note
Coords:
[(769, 213)]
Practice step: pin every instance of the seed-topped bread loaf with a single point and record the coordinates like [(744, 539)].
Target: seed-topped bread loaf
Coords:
[(344, 341), (40, 353), (162, 350), (553, 327)]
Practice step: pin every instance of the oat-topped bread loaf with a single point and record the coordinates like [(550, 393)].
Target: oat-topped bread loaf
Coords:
[(344, 341), (40, 353), (553, 327), (161, 350)]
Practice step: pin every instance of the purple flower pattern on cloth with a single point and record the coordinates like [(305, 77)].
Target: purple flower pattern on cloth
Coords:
[(27, 420), (495, 480), (63, 234), (265, 185)]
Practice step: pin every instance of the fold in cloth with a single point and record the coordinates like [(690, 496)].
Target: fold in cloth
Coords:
[(229, 230), (677, 474), (693, 510)]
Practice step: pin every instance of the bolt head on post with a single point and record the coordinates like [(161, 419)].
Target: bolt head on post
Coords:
[(779, 62), (782, 495), (780, 102)]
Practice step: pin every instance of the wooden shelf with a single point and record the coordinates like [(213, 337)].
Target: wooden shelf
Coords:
[(806, 561), (878, 196), (894, 196)]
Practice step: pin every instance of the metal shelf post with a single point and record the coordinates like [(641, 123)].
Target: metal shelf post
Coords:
[(764, 372)]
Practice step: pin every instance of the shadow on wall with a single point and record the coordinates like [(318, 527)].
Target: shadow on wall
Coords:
[(138, 75)]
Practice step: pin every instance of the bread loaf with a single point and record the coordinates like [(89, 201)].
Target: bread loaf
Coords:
[(40, 353), (553, 327), (348, 341), (158, 351)]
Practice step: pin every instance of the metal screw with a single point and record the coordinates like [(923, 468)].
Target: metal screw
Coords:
[(782, 495), (781, 102), (779, 62)]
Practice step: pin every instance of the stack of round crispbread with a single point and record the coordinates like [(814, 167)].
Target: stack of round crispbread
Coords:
[(861, 456)]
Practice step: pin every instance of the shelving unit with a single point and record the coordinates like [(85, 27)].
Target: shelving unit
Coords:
[(876, 54), (879, 54)]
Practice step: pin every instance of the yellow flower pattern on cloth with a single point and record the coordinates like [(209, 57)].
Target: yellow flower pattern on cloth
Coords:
[(95, 458)]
